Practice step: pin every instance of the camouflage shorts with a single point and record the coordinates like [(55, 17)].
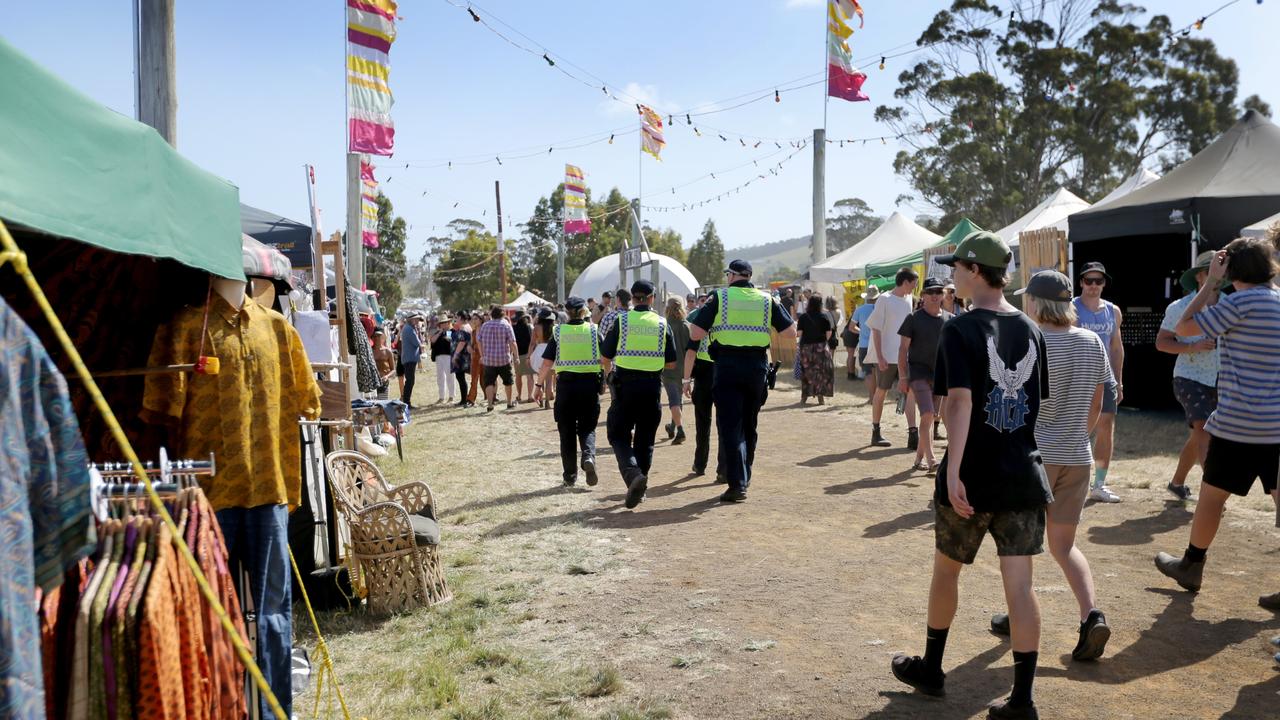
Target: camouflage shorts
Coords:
[(1016, 532)]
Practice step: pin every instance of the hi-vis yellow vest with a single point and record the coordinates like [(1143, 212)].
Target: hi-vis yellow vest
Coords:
[(642, 340), (577, 348), (704, 348), (743, 317)]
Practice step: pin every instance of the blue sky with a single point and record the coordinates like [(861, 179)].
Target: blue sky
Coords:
[(261, 93)]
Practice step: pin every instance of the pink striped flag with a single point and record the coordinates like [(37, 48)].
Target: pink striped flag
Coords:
[(368, 205), (575, 202), (844, 81), (371, 28)]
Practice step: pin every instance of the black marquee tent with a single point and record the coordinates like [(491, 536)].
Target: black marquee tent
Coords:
[(1149, 236), (1231, 183), (290, 237)]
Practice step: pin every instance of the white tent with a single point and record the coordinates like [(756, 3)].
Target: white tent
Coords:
[(1052, 212), (523, 301), (898, 236), (602, 275), (1259, 229), (1139, 179)]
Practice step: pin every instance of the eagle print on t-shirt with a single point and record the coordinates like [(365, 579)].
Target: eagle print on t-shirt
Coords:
[(1007, 402)]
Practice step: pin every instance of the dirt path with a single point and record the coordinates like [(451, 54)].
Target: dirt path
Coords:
[(790, 605)]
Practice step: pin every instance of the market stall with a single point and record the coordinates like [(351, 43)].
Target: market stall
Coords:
[(133, 248), (1148, 237)]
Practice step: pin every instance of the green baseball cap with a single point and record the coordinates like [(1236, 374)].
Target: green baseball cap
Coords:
[(981, 248)]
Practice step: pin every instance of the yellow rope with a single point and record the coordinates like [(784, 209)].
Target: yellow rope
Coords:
[(18, 259), (322, 650)]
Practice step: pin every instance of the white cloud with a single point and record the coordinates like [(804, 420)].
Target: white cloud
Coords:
[(631, 94)]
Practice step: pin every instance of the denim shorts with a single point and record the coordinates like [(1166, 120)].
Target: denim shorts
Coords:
[(675, 392)]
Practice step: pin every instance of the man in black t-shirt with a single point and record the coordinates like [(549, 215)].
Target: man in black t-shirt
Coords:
[(921, 332), (991, 367)]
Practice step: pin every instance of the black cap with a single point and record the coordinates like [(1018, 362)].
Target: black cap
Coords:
[(1095, 266), (740, 267), (642, 287), (1048, 285), (575, 303), (932, 283)]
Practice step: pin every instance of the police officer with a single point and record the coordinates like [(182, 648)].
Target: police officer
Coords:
[(639, 345), (573, 352), (737, 319), (699, 374)]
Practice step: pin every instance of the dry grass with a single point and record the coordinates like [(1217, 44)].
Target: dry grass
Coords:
[(484, 656)]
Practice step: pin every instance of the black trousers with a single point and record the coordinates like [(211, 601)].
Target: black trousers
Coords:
[(633, 419), (703, 402), (739, 389), (410, 376), (461, 377), (577, 412)]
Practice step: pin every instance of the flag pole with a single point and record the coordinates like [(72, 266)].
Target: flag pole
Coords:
[(826, 61)]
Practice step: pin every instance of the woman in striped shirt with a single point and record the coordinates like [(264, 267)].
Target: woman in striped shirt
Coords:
[(1244, 430), (1078, 372)]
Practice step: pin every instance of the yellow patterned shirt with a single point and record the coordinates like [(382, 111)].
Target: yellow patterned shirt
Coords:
[(247, 414)]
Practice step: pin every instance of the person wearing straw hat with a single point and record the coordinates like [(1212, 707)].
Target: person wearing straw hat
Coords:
[(1195, 374), (1104, 318)]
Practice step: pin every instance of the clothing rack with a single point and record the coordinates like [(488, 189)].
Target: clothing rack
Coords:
[(112, 470)]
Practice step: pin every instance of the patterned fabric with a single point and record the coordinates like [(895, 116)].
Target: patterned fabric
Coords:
[(844, 80), (247, 414), (1201, 367), (817, 377), (44, 506), (226, 693), (160, 694), (361, 346), (651, 139), (495, 338)]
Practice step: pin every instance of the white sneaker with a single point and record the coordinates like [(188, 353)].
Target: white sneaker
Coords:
[(1103, 494)]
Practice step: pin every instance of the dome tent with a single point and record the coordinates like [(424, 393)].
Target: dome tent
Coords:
[(1052, 212), (896, 236), (1142, 178), (602, 276)]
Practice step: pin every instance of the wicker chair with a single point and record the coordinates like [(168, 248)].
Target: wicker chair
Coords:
[(394, 534)]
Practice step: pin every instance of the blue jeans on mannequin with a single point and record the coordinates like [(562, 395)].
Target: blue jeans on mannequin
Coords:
[(258, 541)]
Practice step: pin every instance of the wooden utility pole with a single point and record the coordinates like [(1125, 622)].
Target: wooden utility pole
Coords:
[(355, 239), (818, 248), (502, 248), (155, 89)]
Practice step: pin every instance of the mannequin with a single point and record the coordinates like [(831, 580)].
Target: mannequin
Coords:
[(247, 416), (231, 290)]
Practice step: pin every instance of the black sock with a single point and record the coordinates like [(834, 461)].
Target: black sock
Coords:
[(935, 643), (1024, 674), (875, 427), (1195, 554)]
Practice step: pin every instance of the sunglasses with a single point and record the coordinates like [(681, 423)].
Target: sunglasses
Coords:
[(1093, 281), (932, 292)]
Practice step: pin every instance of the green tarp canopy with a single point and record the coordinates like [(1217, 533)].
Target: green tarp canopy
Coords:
[(889, 269), (73, 168)]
